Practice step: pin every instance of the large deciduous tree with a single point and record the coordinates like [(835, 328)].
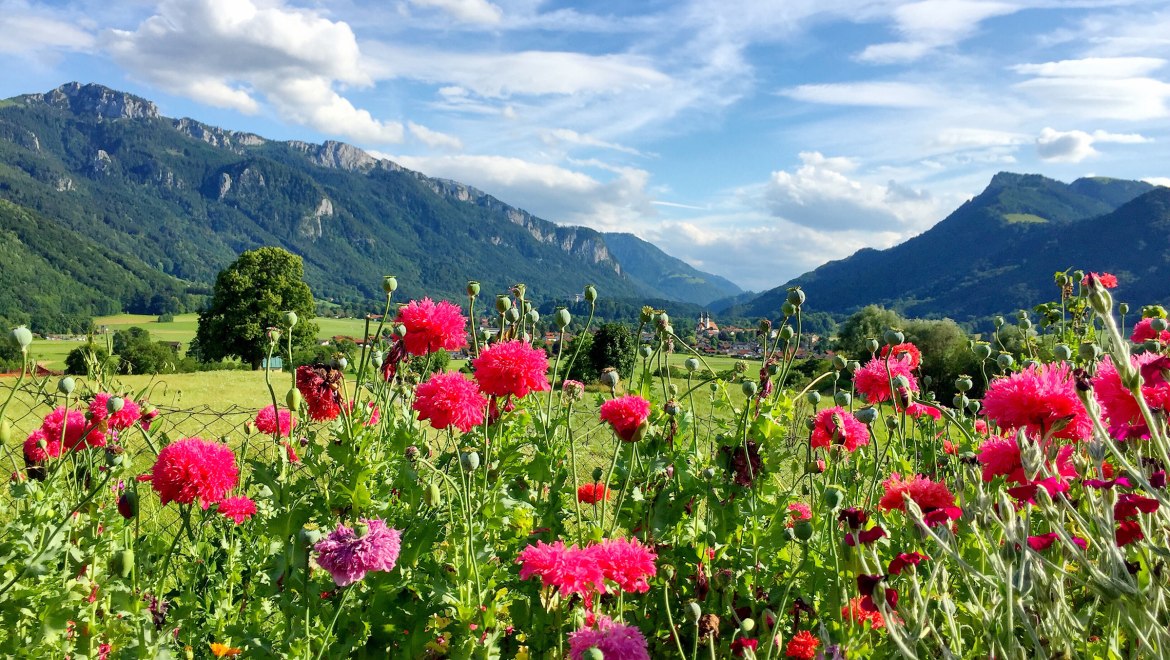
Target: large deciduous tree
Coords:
[(252, 294)]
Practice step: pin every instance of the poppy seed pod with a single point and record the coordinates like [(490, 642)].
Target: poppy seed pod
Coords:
[(964, 383), (512, 315), (645, 351), (866, 415), (290, 318), (1062, 352), (982, 350), (871, 345), (788, 309), (1005, 360), (472, 288), (562, 318), (23, 337), (1123, 308), (796, 297), (749, 388), (839, 362), (610, 377), (787, 333), (813, 397), (532, 316), (590, 293), (114, 404), (893, 337), (65, 385), (842, 399), (691, 364), (389, 284), (503, 303)]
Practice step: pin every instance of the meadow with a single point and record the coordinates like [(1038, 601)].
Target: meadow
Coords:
[(740, 511)]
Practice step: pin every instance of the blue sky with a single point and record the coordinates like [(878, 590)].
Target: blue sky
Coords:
[(756, 139)]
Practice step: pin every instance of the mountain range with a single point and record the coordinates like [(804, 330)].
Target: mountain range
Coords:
[(106, 205), (998, 252)]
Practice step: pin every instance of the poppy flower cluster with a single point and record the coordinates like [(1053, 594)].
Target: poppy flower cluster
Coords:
[(348, 554), (1041, 399), (450, 399), (838, 426), (625, 415), (613, 638), (193, 469), (321, 387), (432, 326), (585, 571)]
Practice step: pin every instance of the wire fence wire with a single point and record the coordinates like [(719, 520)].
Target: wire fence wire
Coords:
[(231, 424)]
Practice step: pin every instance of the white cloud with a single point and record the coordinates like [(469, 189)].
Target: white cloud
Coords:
[(930, 24), (565, 135), (1099, 88), (1158, 181), (886, 94), (468, 11), (548, 190), (233, 53), (27, 31), (820, 195), (503, 75), (1075, 146), (433, 138)]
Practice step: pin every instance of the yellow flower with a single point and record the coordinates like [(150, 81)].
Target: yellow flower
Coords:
[(224, 651)]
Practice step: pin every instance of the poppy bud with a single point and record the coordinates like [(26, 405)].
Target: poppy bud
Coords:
[(709, 473), (597, 474), (696, 611), (749, 388), (293, 399), (23, 337), (6, 432), (121, 563), (590, 293), (389, 284), (432, 496), (786, 333), (747, 625), (290, 318), (562, 318), (472, 288), (998, 322), (128, 504), (833, 497), (645, 351), (891, 422), (1025, 324), (788, 309)]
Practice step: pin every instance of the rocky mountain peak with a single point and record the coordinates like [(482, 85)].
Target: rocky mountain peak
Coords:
[(97, 101)]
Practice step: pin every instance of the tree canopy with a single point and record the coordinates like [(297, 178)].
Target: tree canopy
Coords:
[(252, 294)]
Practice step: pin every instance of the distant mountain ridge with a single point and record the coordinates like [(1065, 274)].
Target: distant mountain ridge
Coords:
[(94, 165), (665, 276), (997, 253)]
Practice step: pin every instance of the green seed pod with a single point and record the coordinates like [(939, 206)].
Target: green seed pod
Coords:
[(891, 422), (597, 474), (813, 397), (23, 337), (982, 350), (472, 288), (709, 473), (901, 381), (788, 309), (839, 362), (795, 296), (1005, 360), (974, 407), (294, 399), (803, 530), (833, 497), (562, 318), (114, 404), (1025, 325), (773, 369), (998, 322), (1123, 308), (1062, 352), (309, 536), (503, 303), (1028, 364), (787, 333), (854, 366), (1089, 351), (927, 381), (696, 611), (389, 284), (66, 385), (866, 415), (610, 378), (842, 399), (590, 293), (871, 345), (747, 626), (290, 318), (399, 330), (960, 401), (893, 337), (469, 460), (749, 388), (691, 364), (1157, 324), (121, 563), (512, 315), (432, 496), (645, 351), (964, 383)]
